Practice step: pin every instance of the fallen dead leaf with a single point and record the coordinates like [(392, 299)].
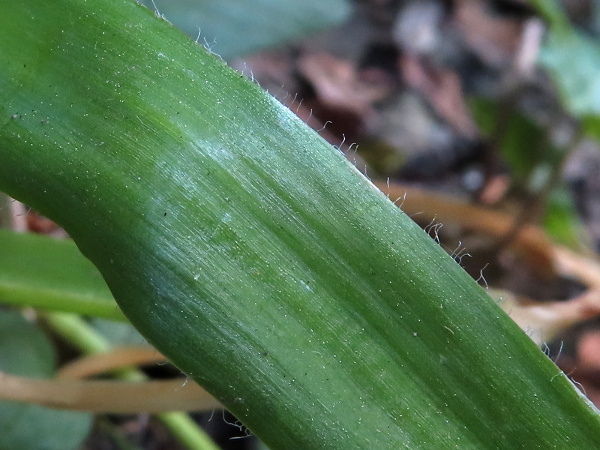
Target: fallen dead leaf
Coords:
[(108, 396), (545, 321), (443, 89), (117, 358), (338, 84), (494, 38)]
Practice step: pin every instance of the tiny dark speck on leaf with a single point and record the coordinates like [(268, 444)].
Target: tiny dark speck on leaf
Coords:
[(165, 214)]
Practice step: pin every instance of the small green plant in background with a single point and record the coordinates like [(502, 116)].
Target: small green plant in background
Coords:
[(251, 253)]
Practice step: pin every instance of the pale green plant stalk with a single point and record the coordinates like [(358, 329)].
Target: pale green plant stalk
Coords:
[(255, 257)]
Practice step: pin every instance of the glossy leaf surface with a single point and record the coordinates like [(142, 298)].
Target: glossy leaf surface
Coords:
[(252, 254)]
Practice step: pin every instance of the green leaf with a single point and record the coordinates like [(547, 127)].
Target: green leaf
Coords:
[(573, 61), (591, 126), (117, 333), (18, 338), (520, 142), (561, 219), (25, 350), (252, 254), (51, 274), (232, 28), (553, 13)]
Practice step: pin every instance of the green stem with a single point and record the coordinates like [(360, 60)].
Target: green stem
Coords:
[(77, 332), (187, 431)]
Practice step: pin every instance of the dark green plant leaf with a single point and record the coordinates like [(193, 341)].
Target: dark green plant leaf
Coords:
[(232, 28), (25, 350), (520, 144), (561, 220), (591, 127), (252, 254), (553, 12)]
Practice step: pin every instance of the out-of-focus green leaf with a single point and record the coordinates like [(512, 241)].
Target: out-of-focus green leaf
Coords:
[(18, 338), (484, 112), (232, 27), (521, 141), (117, 333), (52, 274), (552, 11), (25, 350), (573, 61), (591, 127), (561, 219)]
